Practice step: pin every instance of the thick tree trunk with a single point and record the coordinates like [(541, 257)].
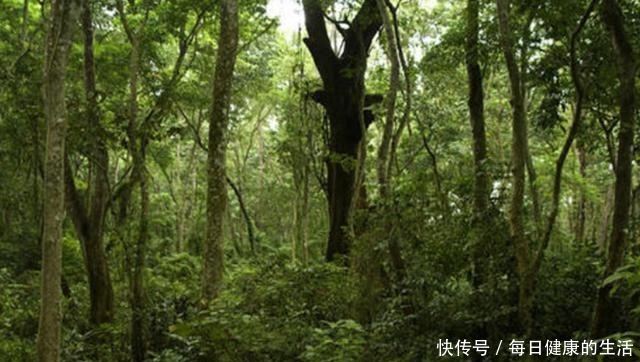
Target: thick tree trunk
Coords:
[(100, 292), (344, 98), (213, 255), (342, 168), (59, 36), (606, 308)]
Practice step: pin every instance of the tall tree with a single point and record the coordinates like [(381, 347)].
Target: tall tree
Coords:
[(59, 35), (391, 50), (213, 264), (576, 123), (344, 98), (476, 112), (481, 177), (518, 164), (137, 143), (529, 261), (606, 308), (89, 224)]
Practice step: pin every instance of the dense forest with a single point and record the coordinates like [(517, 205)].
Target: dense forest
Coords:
[(319, 180)]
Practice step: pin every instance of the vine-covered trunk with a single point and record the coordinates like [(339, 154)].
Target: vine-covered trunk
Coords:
[(213, 266)]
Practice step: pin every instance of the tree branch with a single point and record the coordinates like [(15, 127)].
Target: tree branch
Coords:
[(318, 41)]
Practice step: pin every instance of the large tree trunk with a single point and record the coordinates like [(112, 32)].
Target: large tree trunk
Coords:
[(343, 97), (606, 308), (213, 266), (62, 20)]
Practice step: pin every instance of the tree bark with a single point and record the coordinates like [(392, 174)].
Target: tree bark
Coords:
[(476, 112), (390, 101), (481, 177), (395, 251), (344, 98), (606, 308), (59, 36), (213, 267), (531, 173), (137, 143), (582, 203), (100, 289), (518, 164), (605, 218), (245, 214)]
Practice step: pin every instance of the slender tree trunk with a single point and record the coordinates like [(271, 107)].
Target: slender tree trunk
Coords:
[(216, 175), (395, 251), (606, 308), (138, 336), (59, 35), (390, 100), (443, 200), (476, 112), (582, 203), (564, 152), (605, 218), (518, 164), (137, 145), (245, 214), (304, 224), (100, 289), (481, 179)]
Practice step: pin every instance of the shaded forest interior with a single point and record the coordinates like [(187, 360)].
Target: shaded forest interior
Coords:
[(316, 180)]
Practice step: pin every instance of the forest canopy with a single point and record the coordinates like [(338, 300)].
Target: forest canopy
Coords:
[(319, 180)]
